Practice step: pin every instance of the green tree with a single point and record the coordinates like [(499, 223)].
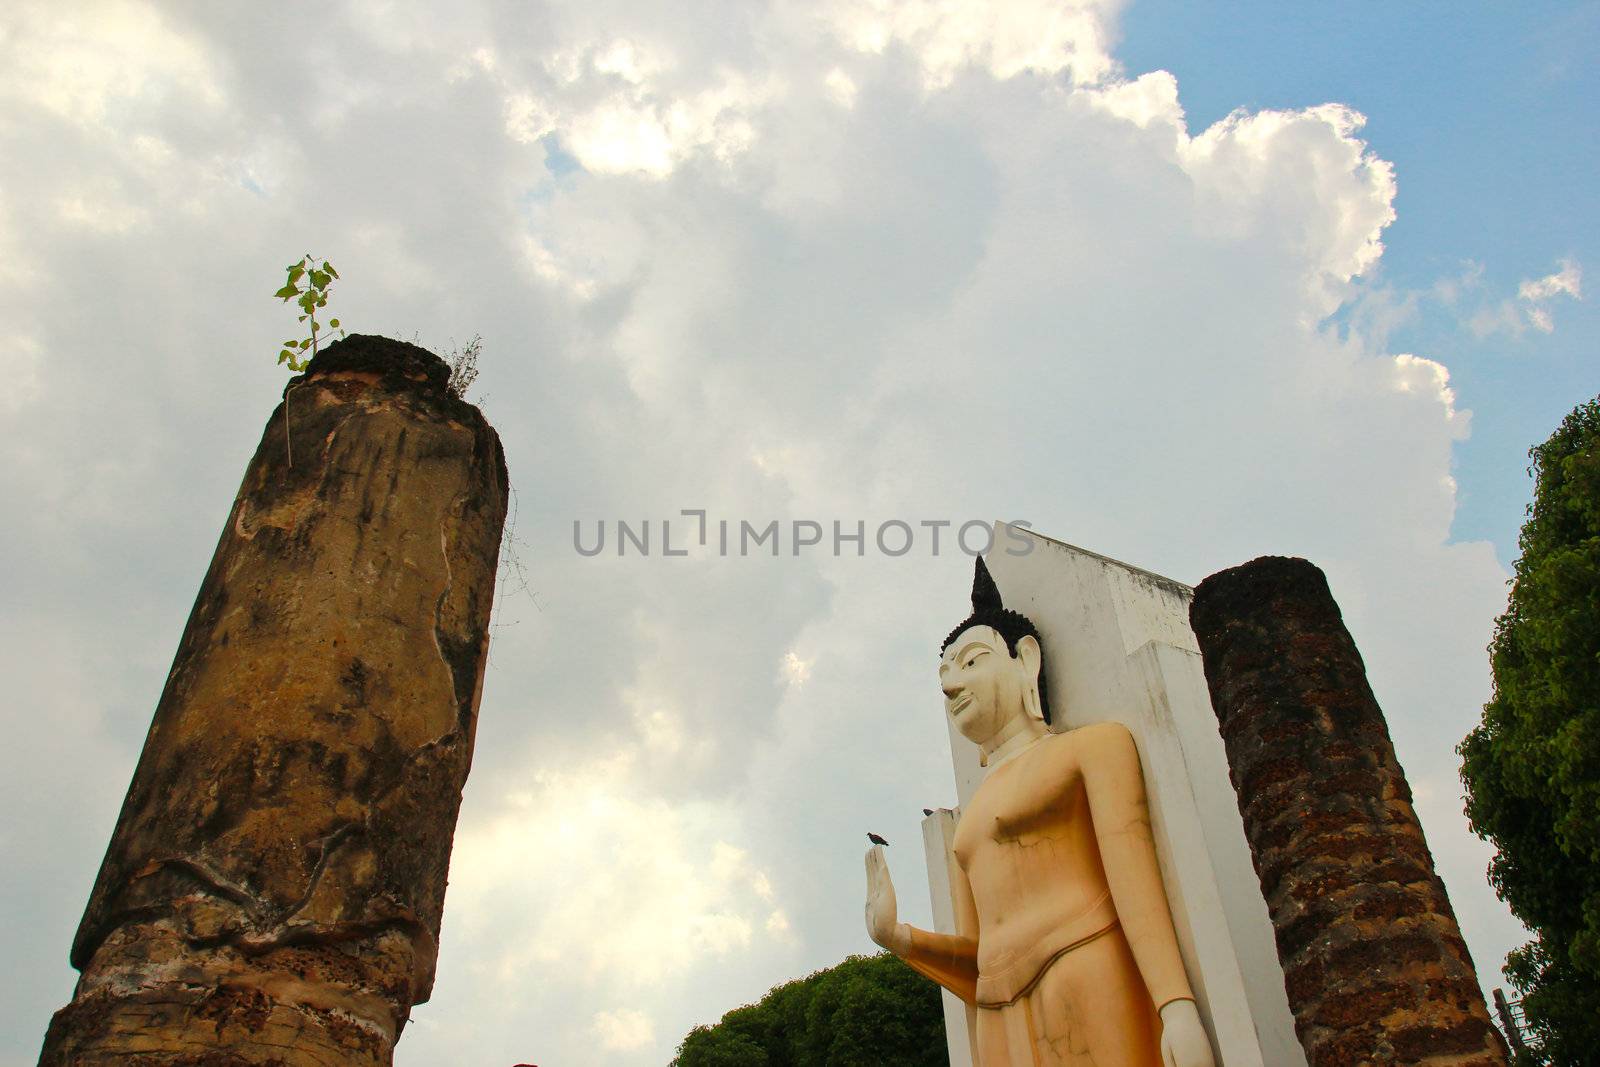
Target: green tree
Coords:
[(711, 1046), (1532, 767), (869, 1011)]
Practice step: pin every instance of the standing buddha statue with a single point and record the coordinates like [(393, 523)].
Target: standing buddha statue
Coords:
[(1065, 943)]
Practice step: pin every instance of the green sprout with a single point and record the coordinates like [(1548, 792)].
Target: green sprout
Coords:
[(316, 278)]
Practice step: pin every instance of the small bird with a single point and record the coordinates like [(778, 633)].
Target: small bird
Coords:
[(927, 811), (875, 839)]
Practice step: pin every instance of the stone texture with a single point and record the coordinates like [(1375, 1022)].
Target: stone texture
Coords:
[(273, 889), (1374, 963)]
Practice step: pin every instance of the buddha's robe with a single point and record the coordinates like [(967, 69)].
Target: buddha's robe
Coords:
[(1066, 944)]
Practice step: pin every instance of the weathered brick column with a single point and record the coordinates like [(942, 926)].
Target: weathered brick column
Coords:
[(273, 888), (1376, 970)]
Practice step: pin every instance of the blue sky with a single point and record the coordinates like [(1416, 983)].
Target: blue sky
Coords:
[(827, 260), (1488, 113)]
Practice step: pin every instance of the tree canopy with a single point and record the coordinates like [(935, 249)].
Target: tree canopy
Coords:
[(1532, 767), (869, 1011)]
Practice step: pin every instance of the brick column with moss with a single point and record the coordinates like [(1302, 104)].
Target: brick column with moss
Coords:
[(1376, 969), (273, 889)]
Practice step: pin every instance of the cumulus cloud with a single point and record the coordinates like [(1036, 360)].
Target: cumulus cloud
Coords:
[(949, 38), (1430, 377), (1307, 177), (848, 261)]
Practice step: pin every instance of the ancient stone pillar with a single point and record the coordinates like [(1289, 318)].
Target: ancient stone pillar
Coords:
[(1374, 963), (273, 889)]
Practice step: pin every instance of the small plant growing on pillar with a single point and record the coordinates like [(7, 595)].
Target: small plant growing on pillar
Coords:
[(307, 285), (464, 367)]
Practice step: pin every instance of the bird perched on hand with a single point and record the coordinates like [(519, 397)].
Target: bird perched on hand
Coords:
[(875, 839)]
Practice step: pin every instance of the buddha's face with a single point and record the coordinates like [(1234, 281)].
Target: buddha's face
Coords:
[(984, 683)]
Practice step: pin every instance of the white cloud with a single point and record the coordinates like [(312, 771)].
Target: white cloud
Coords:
[(1530, 309), (623, 1030), (614, 886), (1305, 175), (23, 370), (102, 208), (840, 87), (627, 107), (635, 132), (548, 268), (100, 62), (1567, 281), (527, 118), (1002, 40), (795, 669), (1414, 374), (622, 136), (1535, 293), (1146, 99), (627, 62)]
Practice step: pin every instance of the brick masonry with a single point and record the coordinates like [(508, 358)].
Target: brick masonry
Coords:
[(1374, 963)]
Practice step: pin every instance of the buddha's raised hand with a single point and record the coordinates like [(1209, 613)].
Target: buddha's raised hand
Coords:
[(882, 924)]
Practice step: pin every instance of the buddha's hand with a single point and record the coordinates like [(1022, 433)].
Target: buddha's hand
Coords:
[(1183, 1036), (881, 924)]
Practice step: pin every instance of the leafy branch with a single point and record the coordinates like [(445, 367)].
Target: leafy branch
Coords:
[(308, 285)]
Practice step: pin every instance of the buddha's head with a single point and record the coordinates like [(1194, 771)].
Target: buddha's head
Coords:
[(991, 666)]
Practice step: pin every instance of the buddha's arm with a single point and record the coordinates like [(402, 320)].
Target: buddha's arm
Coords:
[(1117, 804), (949, 959)]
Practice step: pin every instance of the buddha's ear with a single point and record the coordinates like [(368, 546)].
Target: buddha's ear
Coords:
[(1028, 652), (1029, 656)]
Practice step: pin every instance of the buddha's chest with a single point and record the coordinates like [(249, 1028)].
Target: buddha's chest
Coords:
[(1026, 806)]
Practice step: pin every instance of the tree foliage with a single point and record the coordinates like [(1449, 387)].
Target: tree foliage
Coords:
[(869, 1011), (1532, 767)]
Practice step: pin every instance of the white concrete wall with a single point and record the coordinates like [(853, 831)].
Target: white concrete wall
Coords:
[(938, 843), (1117, 646)]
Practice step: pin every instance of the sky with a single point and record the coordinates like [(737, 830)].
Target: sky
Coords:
[(1181, 284)]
